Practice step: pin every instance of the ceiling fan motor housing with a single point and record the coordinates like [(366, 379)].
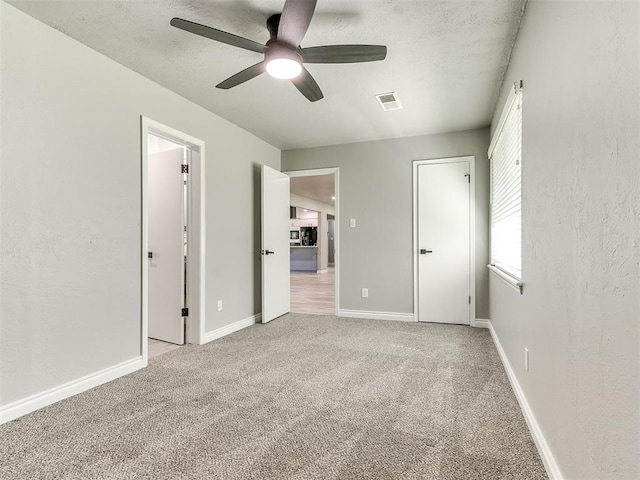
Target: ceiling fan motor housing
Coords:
[(273, 22), (277, 51)]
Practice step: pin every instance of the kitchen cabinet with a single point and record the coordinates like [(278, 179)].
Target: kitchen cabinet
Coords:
[(304, 259)]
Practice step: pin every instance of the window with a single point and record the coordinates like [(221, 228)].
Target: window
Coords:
[(505, 154)]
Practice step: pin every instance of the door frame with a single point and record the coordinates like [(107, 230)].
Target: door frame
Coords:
[(196, 231), (336, 178), (471, 160)]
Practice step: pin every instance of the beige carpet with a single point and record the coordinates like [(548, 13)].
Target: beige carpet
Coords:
[(303, 397)]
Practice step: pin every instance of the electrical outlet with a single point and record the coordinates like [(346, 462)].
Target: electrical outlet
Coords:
[(526, 359), (365, 293), (352, 222), (219, 305)]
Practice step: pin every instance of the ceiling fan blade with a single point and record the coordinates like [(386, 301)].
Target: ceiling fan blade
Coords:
[(295, 20), (344, 54), (308, 86), (243, 76), (218, 35)]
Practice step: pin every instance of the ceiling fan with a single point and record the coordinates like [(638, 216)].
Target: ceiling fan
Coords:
[(283, 55)]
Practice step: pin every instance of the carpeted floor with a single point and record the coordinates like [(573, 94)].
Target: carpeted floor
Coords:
[(303, 397)]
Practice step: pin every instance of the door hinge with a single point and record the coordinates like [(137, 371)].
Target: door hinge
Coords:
[(469, 300), (468, 175), (184, 168), (185, 312)]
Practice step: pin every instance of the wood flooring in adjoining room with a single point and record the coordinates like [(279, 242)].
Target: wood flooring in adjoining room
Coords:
[(313, 292), (157, 347)]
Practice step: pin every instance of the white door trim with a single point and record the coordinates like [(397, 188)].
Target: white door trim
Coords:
[(326, 171), (196, 231), (472, 230)]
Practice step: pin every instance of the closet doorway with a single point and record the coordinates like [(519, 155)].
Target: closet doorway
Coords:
[(444, 240), (172, 240)]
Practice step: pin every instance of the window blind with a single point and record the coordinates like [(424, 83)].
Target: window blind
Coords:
[(505, 155)]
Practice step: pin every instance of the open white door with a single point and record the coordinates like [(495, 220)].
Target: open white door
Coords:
[(166, 246), (444, 242), (276, 299)]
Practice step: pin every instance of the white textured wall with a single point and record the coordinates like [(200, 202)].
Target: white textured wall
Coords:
[(579, 314), (376, 189), (70, 207)]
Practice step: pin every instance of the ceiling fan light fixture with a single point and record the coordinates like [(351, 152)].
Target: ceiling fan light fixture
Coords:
[(283, 62), (284, 68)]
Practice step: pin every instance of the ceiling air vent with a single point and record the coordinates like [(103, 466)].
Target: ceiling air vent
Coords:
[(389, 101)]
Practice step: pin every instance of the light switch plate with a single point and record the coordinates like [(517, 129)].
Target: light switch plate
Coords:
[(352, 222)]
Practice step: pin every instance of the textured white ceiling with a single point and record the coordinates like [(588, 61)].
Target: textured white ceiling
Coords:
[(445, 60)]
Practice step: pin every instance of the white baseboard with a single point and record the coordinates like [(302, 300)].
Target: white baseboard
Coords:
[(481, 323), (549, 461), (402, 317), (234, 327), (34, 402)]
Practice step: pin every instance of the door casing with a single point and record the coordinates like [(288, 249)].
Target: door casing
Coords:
[(471, 160), (195, 231)]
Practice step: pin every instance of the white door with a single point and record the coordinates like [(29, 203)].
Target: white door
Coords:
[(276, 297), (166, 246), (444, 242)]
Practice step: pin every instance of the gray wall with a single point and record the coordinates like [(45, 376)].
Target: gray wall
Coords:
[(376, 189), (70, 208), (579, 314)]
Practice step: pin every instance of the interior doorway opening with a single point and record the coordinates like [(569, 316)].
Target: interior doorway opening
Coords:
[(313, 241), (172, 239)]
